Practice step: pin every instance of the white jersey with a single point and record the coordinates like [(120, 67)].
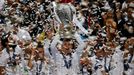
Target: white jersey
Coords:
[(58, 58), (61, 69), (3, 58), (47, 48), (1, 4), (117, 63), (41, 68)]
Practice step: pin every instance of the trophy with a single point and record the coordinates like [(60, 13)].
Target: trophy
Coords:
[(64, 15)]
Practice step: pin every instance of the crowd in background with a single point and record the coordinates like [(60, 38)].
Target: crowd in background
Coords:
[(98, 41)]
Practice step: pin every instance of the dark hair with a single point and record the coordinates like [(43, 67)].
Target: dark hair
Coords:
[(4, 39), (40, 45), (66, 39)]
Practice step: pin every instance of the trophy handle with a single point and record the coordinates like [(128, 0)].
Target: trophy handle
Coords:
[(54, 5)]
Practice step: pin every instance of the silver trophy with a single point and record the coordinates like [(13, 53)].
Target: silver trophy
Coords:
[(64, 14)]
